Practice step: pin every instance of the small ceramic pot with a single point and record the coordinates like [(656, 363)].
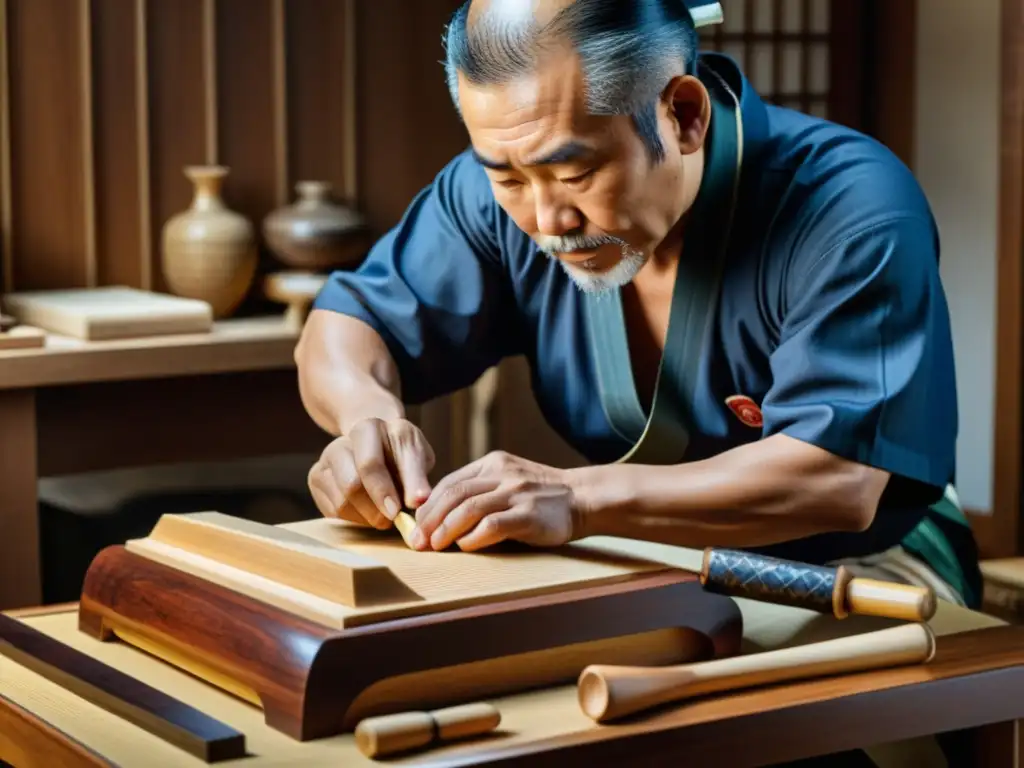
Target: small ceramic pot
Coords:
[(314, 233)]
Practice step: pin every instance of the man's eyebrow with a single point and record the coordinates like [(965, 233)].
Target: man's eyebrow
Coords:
[(568, 152)]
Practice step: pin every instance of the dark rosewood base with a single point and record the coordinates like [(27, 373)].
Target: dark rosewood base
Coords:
[(307, 676)]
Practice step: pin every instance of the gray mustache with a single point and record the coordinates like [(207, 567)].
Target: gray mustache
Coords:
[(571, 243)]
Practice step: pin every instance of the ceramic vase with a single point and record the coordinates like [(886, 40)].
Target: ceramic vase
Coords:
[(209, 251), (316, 234)]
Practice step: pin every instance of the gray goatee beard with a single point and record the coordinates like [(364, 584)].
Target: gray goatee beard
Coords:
[(621, 274)]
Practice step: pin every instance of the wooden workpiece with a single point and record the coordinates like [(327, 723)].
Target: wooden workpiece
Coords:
[(224, 544), (976, 660), (140, 704), (481, 624), (283, 566)]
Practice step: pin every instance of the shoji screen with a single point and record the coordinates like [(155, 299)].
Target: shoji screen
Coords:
[(783, 47)]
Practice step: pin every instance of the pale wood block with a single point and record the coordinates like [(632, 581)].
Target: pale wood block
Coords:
[(110, 312), (22, 337), (282, 556)]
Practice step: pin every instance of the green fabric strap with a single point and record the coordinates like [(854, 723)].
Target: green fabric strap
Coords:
[(662, 437)]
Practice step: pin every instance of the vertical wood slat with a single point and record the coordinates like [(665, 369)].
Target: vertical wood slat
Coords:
[(246, 105), (119, 144), (89, 165), (177, 99), (350, 189), (6, 242), (315, 59), (279, 55), (210, 72), (141, 70), (1002, 534), (49, 230)]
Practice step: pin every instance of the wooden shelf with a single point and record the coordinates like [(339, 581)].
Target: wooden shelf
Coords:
[(247, 344)]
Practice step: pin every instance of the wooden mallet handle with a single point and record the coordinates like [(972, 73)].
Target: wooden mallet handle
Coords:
[(814, 587), (608, 692), (390, 734)]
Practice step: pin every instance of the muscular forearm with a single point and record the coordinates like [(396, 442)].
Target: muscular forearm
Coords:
[(775, 490), (345, 373)]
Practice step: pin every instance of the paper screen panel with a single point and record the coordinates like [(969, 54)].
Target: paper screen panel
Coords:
[(782, 46)]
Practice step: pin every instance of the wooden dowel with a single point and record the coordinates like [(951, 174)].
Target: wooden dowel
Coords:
[(608, 692), (403, 731)]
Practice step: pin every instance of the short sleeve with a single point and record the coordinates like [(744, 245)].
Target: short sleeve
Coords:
[(864, 367), (434, 286)]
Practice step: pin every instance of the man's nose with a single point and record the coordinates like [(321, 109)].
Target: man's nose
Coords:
[(556, 217)]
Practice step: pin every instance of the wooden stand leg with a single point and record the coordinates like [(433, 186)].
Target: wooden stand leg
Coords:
[(998, 745), (20, 561)]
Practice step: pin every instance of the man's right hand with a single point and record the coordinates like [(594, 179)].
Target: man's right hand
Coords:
[(365, 475)]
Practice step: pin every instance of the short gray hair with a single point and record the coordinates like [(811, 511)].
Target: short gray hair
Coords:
[(629, 50)]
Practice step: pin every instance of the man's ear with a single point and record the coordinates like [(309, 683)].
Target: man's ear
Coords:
[(688, 105)]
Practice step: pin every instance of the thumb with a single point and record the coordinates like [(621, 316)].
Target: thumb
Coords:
[(413, 463)]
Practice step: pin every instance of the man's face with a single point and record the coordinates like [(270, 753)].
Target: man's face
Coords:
[(582, 186)]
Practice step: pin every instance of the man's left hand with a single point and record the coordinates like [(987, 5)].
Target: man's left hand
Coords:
[(499, 497)]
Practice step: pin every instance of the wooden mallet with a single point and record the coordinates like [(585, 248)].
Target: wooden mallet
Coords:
[(608, 692)]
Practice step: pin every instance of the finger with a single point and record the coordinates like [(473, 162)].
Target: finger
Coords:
[(326, 507), (363, 506), (413, 460), (444, 488), (513, 524), (369, 448), (442, 505), (467, 515), (320, 486), (347, 480)]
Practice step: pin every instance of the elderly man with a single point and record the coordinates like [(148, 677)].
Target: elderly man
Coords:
[(733, 310)]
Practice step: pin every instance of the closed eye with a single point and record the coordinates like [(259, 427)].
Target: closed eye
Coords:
[(579, 178)]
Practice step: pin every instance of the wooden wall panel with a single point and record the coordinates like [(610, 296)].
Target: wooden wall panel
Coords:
[(180, 90), (50, 142), (248, 137), (407, 128), (104, 102), (318, 89), (121, 149)]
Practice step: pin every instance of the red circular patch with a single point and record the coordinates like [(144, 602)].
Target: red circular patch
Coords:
[(746, 410)]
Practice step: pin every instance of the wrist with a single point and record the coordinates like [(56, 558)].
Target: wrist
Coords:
[(371, 402), (601, 495)]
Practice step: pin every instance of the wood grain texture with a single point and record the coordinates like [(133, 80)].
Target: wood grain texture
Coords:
[(202, 425), (1002, 534), (234, 554), (245, 103), (984, 667), (48, 135), (315, 42), (540, 715), (284, 557), (193, 731), (178, 110), (28, 742), (121, 230), (307, 676), (20, 564), (248, 345)]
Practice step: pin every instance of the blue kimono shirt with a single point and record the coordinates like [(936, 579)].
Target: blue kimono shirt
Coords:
[(808, 303)]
